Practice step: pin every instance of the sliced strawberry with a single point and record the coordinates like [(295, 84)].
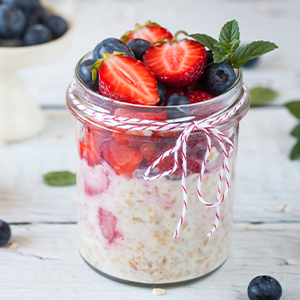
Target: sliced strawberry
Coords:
[(128, 80), (198, 96), (108, 224), (97, 182), (124, 160), (151, 32), (152, 152), (176, 64), (89, 148)]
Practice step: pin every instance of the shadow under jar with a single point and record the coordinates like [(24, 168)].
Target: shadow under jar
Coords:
[(126, 223)]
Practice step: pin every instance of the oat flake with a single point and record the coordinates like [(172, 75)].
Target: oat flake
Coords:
[(158, 292)]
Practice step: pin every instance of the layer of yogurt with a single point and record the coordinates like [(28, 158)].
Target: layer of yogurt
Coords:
[(126, 226)]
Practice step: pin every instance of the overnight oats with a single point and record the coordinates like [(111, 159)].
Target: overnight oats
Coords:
[(157, 144)]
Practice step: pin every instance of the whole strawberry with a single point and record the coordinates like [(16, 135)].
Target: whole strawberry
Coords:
[(125, 79), (176, 63), (150, 31)]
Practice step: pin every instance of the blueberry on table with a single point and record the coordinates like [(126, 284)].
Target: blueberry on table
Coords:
[(25, 5), (12, 22), (264, 288), (218, 78), (138, 46), (110, 45), (86, 75), (57, 25), (5, 233), (162, 92), (37, 34), (177, 99)]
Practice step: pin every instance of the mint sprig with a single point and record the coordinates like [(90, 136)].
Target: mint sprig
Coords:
[(61, 178), (229, 41), (294, 108)]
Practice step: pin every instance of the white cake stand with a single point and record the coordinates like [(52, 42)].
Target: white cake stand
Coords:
[(20, 118)]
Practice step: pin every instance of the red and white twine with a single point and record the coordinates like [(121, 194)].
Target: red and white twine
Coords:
[(208, 126)]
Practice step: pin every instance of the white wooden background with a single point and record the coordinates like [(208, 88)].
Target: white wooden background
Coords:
[(41, 261)]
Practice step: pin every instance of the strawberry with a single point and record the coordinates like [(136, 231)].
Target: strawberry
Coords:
[(97, 182), (150, 32), (198, 96), (108, 224), (152, 152), (89, 148), (176, 63), (126, 79), (124, 160)]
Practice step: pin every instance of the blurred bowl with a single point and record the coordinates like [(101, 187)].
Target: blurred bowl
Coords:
[(20, 118)]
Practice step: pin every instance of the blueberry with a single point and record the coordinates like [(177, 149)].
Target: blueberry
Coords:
[(177, 99), (37, 34), (5, 233), (209, 55), (12, 22), (162, 93), (86, 75), (138, 46), (264, 288), (218, 78), (110, 45), (25, 5), (57, 25)]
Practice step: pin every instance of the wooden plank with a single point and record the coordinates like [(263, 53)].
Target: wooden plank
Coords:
[(44, 264), (266, 178), (276, 21)]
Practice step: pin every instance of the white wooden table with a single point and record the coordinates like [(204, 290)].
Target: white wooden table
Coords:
[(41, 260)]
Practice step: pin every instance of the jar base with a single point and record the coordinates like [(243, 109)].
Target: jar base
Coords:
[(151, 285)]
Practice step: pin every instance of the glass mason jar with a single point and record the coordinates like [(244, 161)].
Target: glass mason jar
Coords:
[(126, 223)]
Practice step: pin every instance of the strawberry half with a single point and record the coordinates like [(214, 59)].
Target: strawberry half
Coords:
[(198, 96), (176, 63), (126, 79), (108, 224), (151, 32)]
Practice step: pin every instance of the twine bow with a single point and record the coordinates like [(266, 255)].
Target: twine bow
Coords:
[(207, 126)]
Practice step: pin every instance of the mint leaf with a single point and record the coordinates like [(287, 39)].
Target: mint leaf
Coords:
[(295, 153), (294, 108), (261, 95), (62, 178), (205, 40), (219, 56), (251, 51), (296, 131), (222, 45), (230, 32)]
